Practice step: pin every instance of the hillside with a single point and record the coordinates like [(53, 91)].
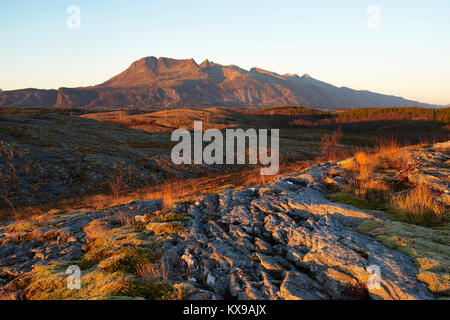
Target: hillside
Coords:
[(49, 155), (164, 82)]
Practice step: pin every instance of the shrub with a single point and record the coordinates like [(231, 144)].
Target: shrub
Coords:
[(329, 145)]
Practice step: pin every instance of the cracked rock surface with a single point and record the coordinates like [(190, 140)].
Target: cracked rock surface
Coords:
[(286, 241), (283, 240)]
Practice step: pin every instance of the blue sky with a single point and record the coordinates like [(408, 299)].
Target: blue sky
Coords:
[(409, 55)]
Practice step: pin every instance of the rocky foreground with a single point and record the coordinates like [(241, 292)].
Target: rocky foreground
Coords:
[(284, 240)]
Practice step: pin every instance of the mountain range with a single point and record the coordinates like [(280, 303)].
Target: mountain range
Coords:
[(165, 82)]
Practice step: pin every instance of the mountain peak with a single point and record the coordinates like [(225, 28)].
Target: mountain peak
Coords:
[(163, 81), (266, 73), (205, 64), (149, 70)]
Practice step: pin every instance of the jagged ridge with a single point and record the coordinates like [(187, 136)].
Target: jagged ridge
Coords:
[(176, 83)]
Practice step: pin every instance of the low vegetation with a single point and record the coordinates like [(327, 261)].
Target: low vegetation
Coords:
[(118, 262), (123, 254), (377, 181), (429, 248), (418, 206)]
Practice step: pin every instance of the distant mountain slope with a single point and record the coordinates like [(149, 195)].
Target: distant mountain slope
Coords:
[(176, 83)]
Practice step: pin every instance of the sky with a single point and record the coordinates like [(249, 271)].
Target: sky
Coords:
[(393, 47)]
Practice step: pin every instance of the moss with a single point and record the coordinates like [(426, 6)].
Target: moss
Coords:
[(139, 226), (108, 245), (112, 279), (188, 202), (353, 200), (149, 291), (428, 247), (164, 228), (86, 264), (172, 217)]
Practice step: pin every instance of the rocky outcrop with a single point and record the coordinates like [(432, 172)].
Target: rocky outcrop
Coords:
[(286, 241), (283, 240), (183, 83)]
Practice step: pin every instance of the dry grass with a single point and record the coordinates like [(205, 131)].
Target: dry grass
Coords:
[(330, 148), (390, 155), (366, 187), (6, 295), (416, 206), (96, 229), (419, 206), (23, 232), (387, 155), (170, 191), (123, 218), (153, 271)]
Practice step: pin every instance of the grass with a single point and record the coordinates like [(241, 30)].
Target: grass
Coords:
[(96, 229), (118, 263), (128, 260), (419, 207), (6, 295), (367, 187), (170, 192), (420, 228), (49, 283), (112, 242), (22, 232)]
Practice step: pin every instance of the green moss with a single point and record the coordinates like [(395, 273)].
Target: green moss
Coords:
[(139, 226), (172, 217), (86, 264), (109, 244), (164, 228), (148, 291), (353, 200), (429, 248)]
